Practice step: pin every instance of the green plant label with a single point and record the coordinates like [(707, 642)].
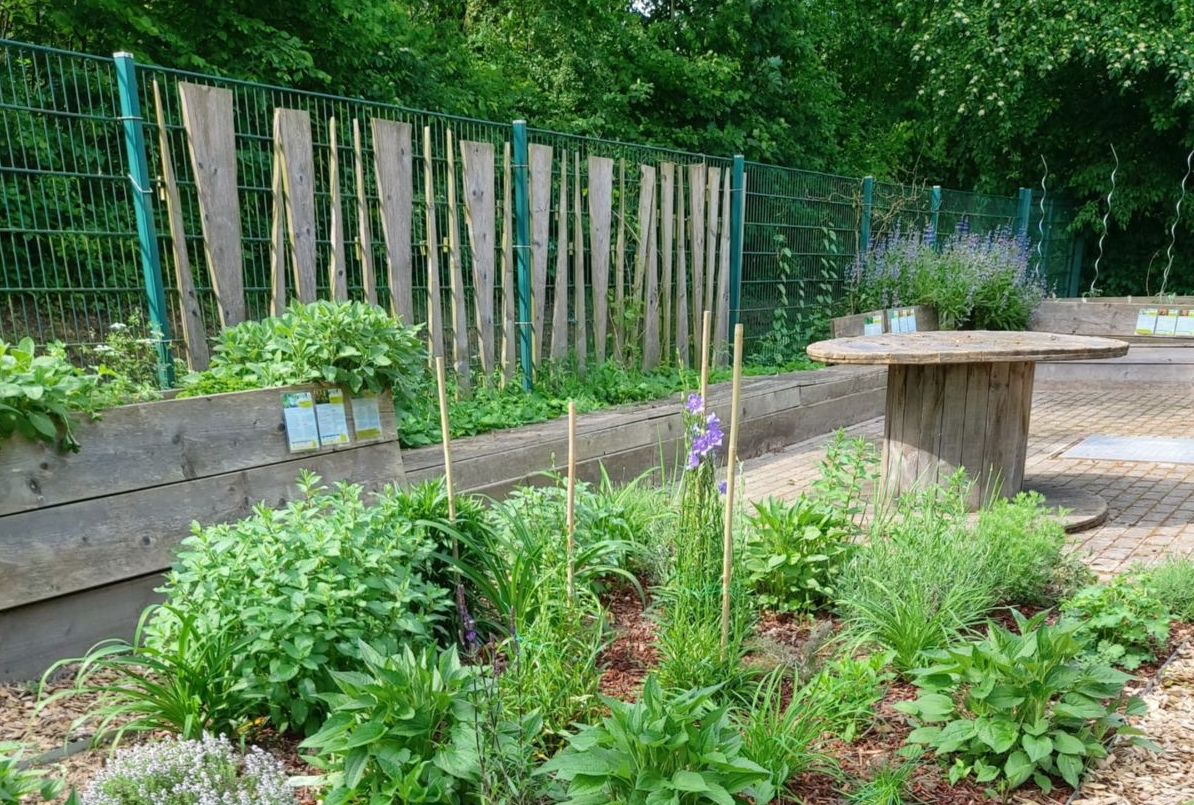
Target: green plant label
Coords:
[(330, 417), (1146, 321), (366, 417), (298, 411), (873, 324)]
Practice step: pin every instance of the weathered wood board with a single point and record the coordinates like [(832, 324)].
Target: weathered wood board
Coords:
[(460, 345), (207, 115), (480, 217), (682, 330), (646, 207), (364, 231), (712, 222), (292, 139), (394, 165), (435, 311), (964, 346), (559, 317), (578, 269), (651, 294), (721, 329), (844, 326), (194, 333), (697, 179), (509, 332), (601, 179), (667, 222), (1114, 317), (540, 157), (337, 266), (620, 267)]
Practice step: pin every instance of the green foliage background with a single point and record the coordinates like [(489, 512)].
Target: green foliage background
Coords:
[(972, 93)]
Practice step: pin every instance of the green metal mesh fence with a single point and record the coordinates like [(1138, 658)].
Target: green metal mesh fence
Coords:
[(69, 259)]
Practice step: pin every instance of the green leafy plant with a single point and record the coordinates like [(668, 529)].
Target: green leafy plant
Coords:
[(22, 785), (886, 785), (188, 686), (39, 394), (678, 748), (784, 738), (1028, 550), (351, 344), (178, 772), (304, 584), (794, 553), (1020, 705), (845, 470), (1172, 583), (1124, 620), (402, 728), (848, 688), (125, 364)]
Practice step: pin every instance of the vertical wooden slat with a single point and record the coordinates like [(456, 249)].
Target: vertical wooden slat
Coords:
[(601, 178), (277, 232), (337, 265), (480, 216), (292, 136), (893, 431), (974, 433), (651, 288), (1020, 454), (995, 436), (207, 117), (910, 430), (697, 179), (540, 158), (460, 356), (509, 335), (559, 319), (722, 331), (393, 162), (953, 395), (932, 381), (646, 203), (682, 330), (435, 314), (712, 219), (578, 268), (364, 235), (667, 221), (193, 331), (620, 268)]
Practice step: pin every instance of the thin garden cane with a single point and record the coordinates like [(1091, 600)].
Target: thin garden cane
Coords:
[(727, 545), (445, 434), (706, 334), (571, 521)]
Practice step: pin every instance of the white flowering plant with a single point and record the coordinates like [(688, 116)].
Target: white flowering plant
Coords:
[(210, 771)]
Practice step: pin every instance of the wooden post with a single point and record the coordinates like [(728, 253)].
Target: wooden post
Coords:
[(571, 488), (435, 315), (620, 267), (727, 544), (445, 434), (706, 333), (364, 234), (337, 270), (460, 356)]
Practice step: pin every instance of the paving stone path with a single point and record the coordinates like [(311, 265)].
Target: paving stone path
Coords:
[(1150, 504)]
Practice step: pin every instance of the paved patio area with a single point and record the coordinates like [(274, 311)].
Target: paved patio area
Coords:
[(1150, 504)]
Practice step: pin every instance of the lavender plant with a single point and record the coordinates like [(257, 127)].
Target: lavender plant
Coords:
[(210, 771), (975, 281)]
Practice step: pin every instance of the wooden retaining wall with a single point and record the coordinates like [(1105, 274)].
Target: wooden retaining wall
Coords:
[(84, 538)]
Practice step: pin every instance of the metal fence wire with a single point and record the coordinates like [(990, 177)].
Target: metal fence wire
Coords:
[(70, 258)]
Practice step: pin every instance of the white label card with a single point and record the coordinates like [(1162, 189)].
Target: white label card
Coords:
[(298, 411), (1146, 321), (910, 327), (365, 416), (873, 324), (1166, 322), (1185, 324), (329, 413)]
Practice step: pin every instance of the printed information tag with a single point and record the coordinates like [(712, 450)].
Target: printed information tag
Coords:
[(873, 324), (1185, 324), (330, 414), (910, 324), (1146, 321), (1166, 322), (365, 416), (298, 411)]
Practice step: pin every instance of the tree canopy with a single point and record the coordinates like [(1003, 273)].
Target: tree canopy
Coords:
[(975, 94)]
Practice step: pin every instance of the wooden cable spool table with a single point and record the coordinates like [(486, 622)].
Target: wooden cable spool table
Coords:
[(959, 399)]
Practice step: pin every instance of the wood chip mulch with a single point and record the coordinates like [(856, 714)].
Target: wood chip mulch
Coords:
[(626, 661)]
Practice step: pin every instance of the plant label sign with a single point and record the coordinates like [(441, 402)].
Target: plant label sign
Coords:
[(1185, 324), (366, 416), (1146, 321), (298, 412), (330, 416), (893, 321), (1166, 322), (872, 324), (909, 320)]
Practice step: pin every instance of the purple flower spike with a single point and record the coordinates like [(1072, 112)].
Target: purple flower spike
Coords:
[(695, 404), (721, 487)]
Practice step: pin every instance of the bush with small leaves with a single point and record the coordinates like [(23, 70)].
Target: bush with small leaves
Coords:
[(1123, 620)]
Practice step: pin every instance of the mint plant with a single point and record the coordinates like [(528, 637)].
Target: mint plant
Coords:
[(1020, 705), (795, 553), (39, 394), (1124, 620)]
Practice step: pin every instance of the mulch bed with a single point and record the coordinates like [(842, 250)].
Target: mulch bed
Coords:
[(625, 663)]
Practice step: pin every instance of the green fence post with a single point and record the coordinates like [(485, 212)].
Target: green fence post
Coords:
[(147, 241), (737, 221), (864, 227), (522, 251), (935, 211), (1025, 212)]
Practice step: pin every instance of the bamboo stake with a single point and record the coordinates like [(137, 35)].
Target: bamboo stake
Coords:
[(571, 488), (445, 434), (620, 267), (364, 235), (337, 270), (727, 545), (706, 333), (460, 356)]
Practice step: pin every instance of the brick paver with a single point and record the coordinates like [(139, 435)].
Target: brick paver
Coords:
[(1150, 505)]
